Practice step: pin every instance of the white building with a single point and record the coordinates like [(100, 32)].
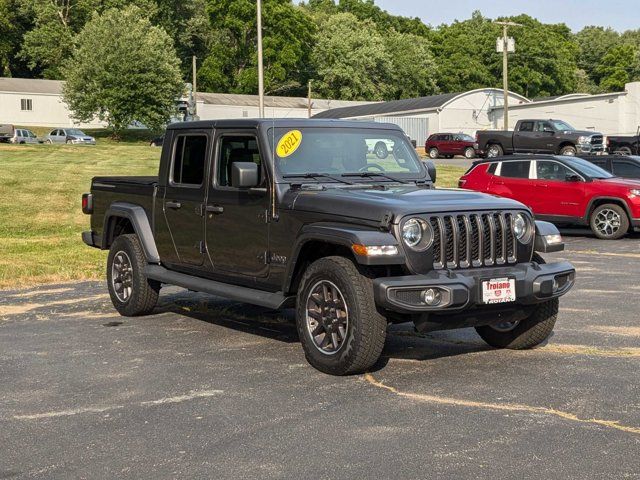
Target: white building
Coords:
[(32, 102), (609, 113), (449, 112)]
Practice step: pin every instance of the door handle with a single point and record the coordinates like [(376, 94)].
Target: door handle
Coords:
[(215, 209), (175, 205)]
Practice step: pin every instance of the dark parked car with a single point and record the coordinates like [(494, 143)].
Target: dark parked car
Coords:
[(562, 190), (625, 145), (450, 144), (625, 166), (157, 142), (539, 136), (298, 213)]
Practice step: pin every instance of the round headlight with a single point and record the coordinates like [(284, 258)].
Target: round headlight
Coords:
[(520, 226), (412, 232), (417, 234)]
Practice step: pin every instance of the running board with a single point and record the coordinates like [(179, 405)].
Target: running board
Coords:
[(274, 301)]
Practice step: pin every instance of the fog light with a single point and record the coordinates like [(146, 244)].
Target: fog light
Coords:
[(432, 296)]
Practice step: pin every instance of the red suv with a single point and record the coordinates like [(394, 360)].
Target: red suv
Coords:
[(450, 144), (562, 190)]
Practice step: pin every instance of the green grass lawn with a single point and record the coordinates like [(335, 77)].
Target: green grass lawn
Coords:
[(40, 216)]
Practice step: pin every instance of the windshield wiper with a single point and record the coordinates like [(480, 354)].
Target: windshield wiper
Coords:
[(317, 175), (374, 174)]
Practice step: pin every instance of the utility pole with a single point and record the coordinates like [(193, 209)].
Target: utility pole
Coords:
[(260, 65), (309, 98), (505, 66), (195, 100)]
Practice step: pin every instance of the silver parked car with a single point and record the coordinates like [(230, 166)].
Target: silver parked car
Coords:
[(22, 135), (69, 135)]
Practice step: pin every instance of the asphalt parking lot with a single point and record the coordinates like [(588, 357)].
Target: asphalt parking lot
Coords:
[(206, 388)]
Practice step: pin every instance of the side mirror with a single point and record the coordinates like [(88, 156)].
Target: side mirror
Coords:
[(548, 130), (244, 174), (431, 169), (572, 177)]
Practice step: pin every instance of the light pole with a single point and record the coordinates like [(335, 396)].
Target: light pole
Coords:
[(505, 67), (260, 65)]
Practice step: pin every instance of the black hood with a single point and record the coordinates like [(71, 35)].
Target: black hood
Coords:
[(374, 203)]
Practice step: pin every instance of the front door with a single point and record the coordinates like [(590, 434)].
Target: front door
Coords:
[(185, 195), (237, 232)]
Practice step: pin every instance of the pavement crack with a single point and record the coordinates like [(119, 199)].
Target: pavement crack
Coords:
[(504, 407)]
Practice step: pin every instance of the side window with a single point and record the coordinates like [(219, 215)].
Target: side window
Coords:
[(551, 171), (526, 127), (492, 169), (540, 126), (626, 169), (235, 148), (189, 158), (515, 169)]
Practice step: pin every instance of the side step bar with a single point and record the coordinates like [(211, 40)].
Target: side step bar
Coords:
[(274, 301)]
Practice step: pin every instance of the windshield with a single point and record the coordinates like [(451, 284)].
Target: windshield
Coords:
[(343, 151), (560, 125), (587, 168), (74, 131)]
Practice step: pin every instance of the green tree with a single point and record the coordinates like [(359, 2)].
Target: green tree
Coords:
[(413, 72), (351, 60), (134, 76), (618, 67), (232, 61), (594, 43)]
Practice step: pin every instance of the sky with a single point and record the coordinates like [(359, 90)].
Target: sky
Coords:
[(619, 14)]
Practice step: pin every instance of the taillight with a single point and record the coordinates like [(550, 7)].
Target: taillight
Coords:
[(87, 203)]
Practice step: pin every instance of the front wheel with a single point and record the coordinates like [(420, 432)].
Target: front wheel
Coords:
[(132, 293), (623, 151), (609, 222), (523, 334), (469, 153), (339, 327), (569, 151), (434, 153)]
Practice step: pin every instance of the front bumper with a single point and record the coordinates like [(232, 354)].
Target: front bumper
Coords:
[(590, 148), (462, 289)]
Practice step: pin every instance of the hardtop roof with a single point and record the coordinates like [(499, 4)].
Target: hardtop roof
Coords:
[(280, 122)]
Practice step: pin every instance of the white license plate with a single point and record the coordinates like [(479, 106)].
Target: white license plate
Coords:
[(499, 290)]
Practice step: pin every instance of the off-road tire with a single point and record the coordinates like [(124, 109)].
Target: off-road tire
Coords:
[(623, 151), (624, 221), (569, 150), (144, 295), (531, 331), (434, 153), (366, 331), (381, 150)]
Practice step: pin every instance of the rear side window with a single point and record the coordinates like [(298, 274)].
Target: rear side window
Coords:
[(526, 127), (189, 157), (626, 169), (492, 169), (515, 169)]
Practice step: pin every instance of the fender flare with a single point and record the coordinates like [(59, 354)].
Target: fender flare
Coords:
[(616, 200), (138, 218), (345, 236)]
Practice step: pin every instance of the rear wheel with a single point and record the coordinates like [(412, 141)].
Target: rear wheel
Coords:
[(339, 327), (569, 150), (132, 294), (469, 153), (434, 153), (494, 150), (609, 222)]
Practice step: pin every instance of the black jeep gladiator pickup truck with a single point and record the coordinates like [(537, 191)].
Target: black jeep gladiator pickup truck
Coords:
[(539, 136), (624, 144), (300, 213)]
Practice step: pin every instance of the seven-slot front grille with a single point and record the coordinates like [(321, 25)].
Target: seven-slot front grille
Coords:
[(472, 240)]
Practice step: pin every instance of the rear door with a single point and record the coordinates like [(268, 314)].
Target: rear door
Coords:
[(185, 195), (555, 196), (237, 232), (524, 137), (544, 139), (511, 180)]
